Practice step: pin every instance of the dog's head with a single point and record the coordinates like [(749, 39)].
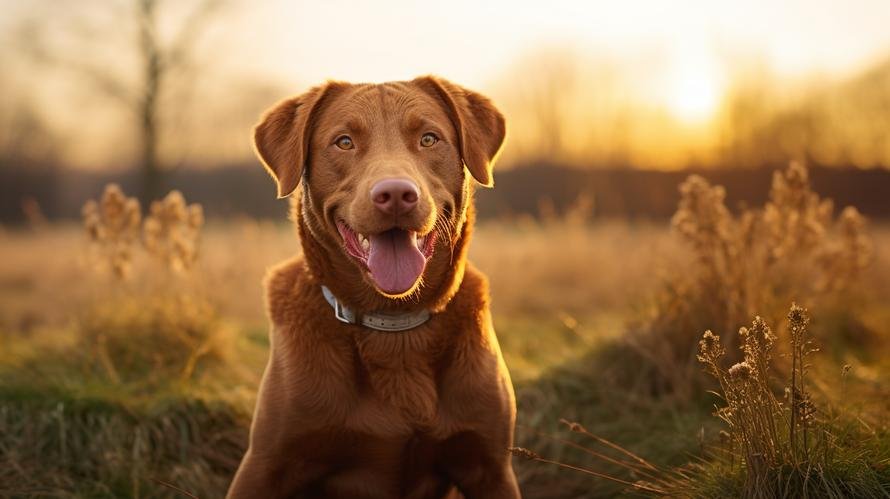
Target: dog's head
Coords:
[(384, 167)]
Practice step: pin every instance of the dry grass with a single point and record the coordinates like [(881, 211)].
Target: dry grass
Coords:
[(771, 446), (566, 267), (755, 262), (786, 446), (793, 247), (130, 382)]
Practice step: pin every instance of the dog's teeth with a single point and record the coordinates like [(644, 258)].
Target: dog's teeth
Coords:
[(366, 245)]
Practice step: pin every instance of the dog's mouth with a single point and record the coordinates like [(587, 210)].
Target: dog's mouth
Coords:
[(394, 258)]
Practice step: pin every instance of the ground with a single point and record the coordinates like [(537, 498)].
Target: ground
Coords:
[(109, 388)]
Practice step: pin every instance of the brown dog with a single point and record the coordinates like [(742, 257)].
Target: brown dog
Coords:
[(385, 378)]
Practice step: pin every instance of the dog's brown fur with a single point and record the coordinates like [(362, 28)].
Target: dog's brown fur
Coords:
[(346, 411)]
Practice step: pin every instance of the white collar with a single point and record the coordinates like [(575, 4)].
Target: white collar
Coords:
[(380, 322)]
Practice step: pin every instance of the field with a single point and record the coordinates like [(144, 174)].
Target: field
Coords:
[(136, 387)]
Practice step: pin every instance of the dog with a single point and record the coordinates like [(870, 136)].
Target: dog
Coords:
[(385, 378)]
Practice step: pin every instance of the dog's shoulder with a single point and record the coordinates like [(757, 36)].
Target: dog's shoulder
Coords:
[(474, 287), (284, 286)]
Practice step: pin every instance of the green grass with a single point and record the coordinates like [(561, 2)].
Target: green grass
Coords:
[(72, 425), (605, 392), (67, 431), (58, 445), (860, 468)]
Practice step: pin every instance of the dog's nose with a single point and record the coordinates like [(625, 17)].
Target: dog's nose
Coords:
[(395, 196)]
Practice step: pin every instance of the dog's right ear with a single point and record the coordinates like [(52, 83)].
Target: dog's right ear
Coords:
[(281, 139)]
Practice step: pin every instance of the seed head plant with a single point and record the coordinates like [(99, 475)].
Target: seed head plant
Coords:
[(756, 260), (785, 444), (153, 327), (846, 257), (719, 243), (172, 230), (795, 219), (776, 445), (771, 446), (112, 225)]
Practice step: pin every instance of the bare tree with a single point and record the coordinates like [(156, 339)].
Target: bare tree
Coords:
[(567, 106), (546, 93), (142, 86), (24, 137)]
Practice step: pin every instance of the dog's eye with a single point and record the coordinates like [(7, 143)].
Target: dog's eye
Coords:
[(344, 142), (428, 139)]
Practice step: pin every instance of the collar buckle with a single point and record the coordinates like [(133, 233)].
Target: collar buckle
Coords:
[(340, 312)]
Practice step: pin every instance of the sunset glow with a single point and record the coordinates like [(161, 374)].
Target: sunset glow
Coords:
[(663, 72), (693, 89)]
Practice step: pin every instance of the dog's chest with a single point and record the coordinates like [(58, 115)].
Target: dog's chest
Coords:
[(397, 376)]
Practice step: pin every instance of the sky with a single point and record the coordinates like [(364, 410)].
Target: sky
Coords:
[(682, 55), (469, 40)]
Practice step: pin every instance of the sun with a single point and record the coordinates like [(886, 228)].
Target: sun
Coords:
[(693, 89)]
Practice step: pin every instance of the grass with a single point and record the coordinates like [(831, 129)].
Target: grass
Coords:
[(61, 445), (547, 339), (784, 447), (171, 400), (756, 259), (73, 428)]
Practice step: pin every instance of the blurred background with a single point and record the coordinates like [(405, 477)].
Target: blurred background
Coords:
[(613, 100), (670, 167)]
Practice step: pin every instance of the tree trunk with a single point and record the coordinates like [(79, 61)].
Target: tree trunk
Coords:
[(151, 171)]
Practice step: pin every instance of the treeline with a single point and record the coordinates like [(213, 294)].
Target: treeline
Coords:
[(535, 190)]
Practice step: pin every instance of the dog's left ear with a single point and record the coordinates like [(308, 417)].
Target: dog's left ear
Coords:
[(281, 139), (479, 125)]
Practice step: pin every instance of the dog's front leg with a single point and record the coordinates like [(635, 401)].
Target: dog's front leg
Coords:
[(493, 483), (266, 477), (498, 483), (276, 463), (481, 468)]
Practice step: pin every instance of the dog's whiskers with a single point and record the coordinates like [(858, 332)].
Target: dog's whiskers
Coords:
[(445, 227)]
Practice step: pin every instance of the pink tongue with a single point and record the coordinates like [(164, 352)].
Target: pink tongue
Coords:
[(394, 261)]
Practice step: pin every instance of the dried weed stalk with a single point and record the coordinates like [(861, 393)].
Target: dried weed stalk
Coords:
[(758, 260), (773, 435), (172, 231), (113, 227)]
